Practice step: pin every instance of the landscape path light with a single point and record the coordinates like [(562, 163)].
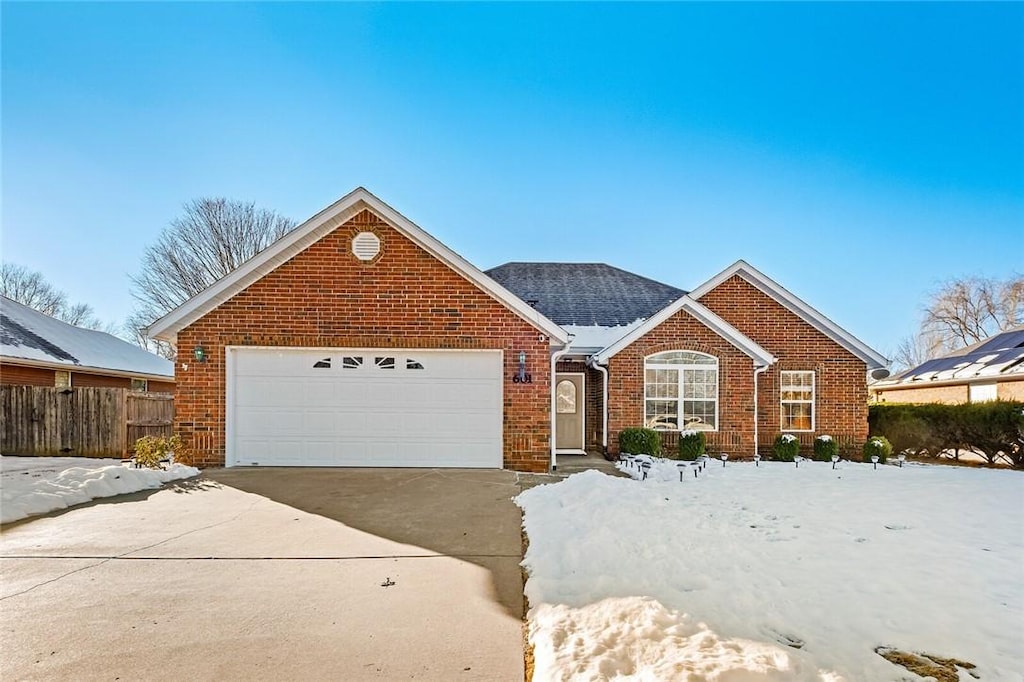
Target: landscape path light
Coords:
[(874, 461), (835, 458), (725, 456), (901, 458), (757, 460)]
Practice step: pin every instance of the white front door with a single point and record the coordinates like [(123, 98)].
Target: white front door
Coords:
[(364, 407)]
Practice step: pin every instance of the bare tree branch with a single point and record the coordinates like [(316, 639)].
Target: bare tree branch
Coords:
[(210, 239), (31, 288)]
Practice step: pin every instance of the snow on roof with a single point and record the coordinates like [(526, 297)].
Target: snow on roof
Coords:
[(997, 356), (595, 337), (28, 334)]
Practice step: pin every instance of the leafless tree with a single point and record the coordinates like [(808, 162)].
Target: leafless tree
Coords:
[(211, 238), (960, 312), (966, 310), (30, 288)]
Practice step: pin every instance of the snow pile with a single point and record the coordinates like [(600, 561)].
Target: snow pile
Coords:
[(775, 571), (36, 485)]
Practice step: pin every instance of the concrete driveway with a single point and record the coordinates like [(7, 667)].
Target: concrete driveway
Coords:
[(272, 574)]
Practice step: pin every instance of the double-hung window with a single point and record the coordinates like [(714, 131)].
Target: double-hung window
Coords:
[(681, 391), (797, 393)]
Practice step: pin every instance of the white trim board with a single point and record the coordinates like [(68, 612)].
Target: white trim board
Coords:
[(702, 314), (321, 224), (808, 314)]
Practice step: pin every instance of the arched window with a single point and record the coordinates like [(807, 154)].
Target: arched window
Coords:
[(565, 397), (681, 391)]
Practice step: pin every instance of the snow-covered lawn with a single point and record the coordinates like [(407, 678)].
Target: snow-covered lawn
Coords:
[(36, 485), (775, 572)]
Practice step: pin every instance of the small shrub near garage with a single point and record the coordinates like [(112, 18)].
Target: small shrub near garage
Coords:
[(151, 450), (877, 445), (637, 441), (824, 448), (786, 447), (692, 444)]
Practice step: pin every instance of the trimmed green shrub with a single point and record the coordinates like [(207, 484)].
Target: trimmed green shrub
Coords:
[(786, 447), (877, 445), (637, 441), (995, 429), (149, 450), (824, 447), (692, 444)]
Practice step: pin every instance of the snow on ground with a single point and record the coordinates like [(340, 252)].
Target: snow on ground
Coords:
[(36, 485), (718, 577)]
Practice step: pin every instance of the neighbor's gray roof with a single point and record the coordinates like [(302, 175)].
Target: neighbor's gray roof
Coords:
[(28, 334), (998, 356), (585, 294)]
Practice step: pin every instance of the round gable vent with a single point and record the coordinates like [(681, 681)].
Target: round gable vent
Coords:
[(366, 246)]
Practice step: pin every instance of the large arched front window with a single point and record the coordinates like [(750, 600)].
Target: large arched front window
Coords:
[(681, 391)]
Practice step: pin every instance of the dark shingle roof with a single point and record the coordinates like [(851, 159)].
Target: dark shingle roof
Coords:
[(585, 294)]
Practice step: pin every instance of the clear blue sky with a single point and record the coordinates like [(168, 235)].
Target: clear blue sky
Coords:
[(858, 153)]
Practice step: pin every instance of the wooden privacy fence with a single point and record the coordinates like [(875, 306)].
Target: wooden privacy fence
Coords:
[(80, 422)]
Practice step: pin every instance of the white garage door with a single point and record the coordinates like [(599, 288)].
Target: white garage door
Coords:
[(374, 408)]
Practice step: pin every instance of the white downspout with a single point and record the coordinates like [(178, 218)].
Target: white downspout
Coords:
[(554, 359), (757, 371), (604, 402)]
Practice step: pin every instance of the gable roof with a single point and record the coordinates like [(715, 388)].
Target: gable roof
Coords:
[(770, 287), (999, 356), (585, 294), (29, 335), (314, 229), (703, 315)]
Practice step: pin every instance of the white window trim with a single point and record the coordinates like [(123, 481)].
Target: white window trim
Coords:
[(812, 402), (145, 384), (679, 399), (62, 371)]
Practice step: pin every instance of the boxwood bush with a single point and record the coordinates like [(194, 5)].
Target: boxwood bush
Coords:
[(638, 441), (824, 447), (692, 444), (877, 445), (786, 447)]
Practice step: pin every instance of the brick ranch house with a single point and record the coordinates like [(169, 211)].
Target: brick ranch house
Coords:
[(39, 350), (360, 340)]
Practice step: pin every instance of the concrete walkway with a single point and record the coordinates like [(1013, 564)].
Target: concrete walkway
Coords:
[(351, 574)]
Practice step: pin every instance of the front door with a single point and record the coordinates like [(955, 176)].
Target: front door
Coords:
[(569, 406)]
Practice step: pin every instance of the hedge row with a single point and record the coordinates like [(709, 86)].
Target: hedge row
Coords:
[(994, 429)]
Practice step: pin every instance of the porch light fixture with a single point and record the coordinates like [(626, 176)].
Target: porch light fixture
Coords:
[(199, 353), (521, 377)]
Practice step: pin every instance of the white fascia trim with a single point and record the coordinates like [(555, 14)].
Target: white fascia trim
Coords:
[(84, 369), (808, 314), (702, 314), (327, 220)]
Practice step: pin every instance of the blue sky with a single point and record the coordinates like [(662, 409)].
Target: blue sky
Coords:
[(858, 153)]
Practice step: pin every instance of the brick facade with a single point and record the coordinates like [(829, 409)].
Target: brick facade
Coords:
[(325, 297), (682, 331), (840, 377), (1006, 389)]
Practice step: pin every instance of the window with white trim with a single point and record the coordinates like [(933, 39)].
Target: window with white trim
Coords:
[(61, 379), (797, 396), (681, 391), (140, 384)]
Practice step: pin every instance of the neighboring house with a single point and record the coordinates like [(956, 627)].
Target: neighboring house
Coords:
[(358, 339), (38, 350), (991, 369)]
